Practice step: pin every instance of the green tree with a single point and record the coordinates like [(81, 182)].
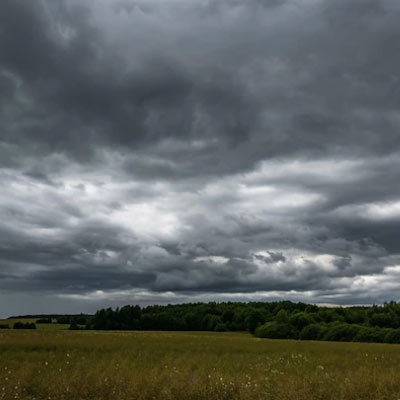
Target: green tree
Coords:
[(300, 320), (282, 317), (312, 332)]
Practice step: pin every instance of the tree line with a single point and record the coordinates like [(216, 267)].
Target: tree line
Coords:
[(276, 320), (19, 325)]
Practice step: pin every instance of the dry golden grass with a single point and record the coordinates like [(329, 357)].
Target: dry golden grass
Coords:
[(168, 365)]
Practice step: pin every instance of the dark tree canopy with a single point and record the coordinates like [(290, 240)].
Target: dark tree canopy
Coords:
[(275, 320)]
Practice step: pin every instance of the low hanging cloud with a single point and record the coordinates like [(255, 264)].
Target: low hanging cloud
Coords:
[(167, 151)]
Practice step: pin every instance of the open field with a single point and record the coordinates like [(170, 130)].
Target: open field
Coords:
[(11, 321), (168, 365)]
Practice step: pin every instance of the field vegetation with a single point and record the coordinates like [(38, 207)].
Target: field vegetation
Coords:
[(45, 364), (9, 323)]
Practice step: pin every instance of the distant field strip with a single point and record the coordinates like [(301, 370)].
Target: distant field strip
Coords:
[(61, 364), (11, 321)]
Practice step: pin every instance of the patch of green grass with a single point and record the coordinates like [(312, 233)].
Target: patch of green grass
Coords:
[(181, 365), (11, 321)]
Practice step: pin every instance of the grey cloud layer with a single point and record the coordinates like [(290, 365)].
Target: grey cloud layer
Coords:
[(174, 150)]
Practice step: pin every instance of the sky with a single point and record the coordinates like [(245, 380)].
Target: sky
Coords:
[(168, 151)]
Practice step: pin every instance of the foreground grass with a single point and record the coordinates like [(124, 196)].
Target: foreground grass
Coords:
[(165, 365)]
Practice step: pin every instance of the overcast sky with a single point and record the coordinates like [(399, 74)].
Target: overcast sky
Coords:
[(162, 151)]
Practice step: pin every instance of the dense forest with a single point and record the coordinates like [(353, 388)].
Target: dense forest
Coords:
[(276, 320)]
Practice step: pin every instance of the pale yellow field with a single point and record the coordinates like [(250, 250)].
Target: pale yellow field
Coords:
[(46, 364)]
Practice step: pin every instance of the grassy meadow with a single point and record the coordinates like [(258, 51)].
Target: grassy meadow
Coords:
[(11, 321), (61, 364)]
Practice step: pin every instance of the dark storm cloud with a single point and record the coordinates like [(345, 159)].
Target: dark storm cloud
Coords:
[(169, 150), (236, 91)]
